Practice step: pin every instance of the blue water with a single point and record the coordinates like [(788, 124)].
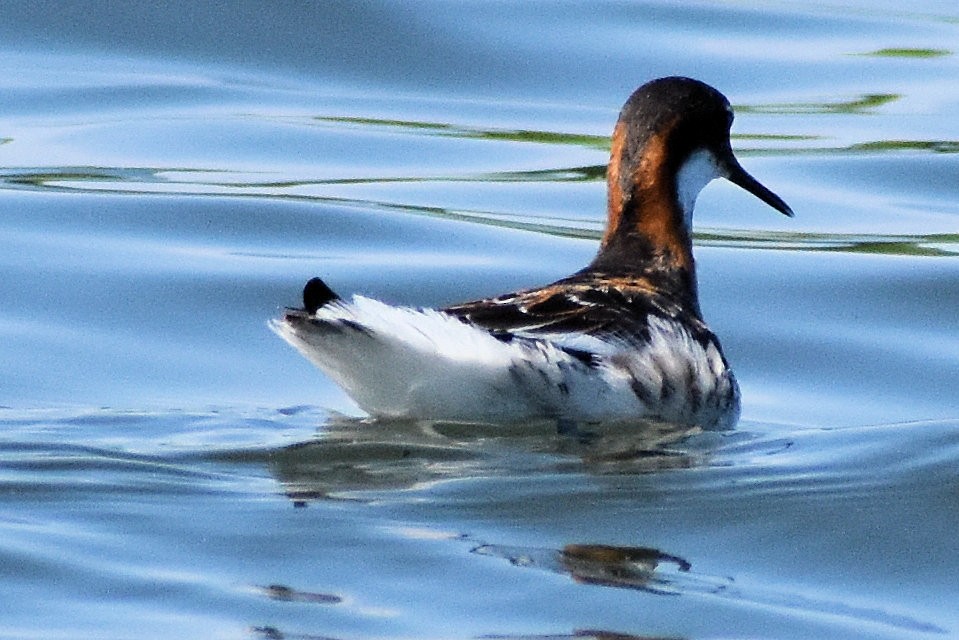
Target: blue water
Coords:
[(171, 176)]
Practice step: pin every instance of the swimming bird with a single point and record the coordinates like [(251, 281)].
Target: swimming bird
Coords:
[(622, 339)]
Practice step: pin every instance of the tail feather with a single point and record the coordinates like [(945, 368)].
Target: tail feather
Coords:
[(317, 294)]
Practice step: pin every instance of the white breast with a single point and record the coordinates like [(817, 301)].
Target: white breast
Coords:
[(699, 170)]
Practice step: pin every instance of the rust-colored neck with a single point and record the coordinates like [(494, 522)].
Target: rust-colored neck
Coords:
[(642, 203), (646, 232)]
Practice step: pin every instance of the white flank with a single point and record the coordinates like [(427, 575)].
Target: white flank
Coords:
[(400, 362)]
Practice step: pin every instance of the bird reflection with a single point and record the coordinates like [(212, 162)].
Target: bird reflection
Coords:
[(583, 634), (641, 568), (349, 458)]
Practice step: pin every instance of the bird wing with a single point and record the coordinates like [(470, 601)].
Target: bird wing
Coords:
[(595, 306)]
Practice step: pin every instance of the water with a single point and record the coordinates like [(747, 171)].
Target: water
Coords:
[(169, 178)]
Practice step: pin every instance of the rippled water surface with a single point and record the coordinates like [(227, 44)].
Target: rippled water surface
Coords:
[(169, 178)]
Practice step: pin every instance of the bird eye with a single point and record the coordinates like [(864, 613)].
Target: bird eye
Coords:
[(729, 115)]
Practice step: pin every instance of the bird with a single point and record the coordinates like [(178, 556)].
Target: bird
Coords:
[(622, 340)]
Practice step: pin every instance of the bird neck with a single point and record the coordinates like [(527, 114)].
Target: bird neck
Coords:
[(647, 232)]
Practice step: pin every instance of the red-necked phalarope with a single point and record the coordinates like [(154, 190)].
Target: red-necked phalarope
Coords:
[(622, 339)]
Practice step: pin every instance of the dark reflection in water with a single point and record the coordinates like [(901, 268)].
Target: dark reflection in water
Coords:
[(367, 467), (273, 633), (655, 572), (364, 460), (354, 456), (602, 565), (594, 634), (284, 593)]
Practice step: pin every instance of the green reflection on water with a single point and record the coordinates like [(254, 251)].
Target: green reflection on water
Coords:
[(896, 52), (863, 104), (777, 137), (106, 180), (928, 245), (508, 135), (49, 178), (937, 146), (200, 182), (596, 172), (863, 148)]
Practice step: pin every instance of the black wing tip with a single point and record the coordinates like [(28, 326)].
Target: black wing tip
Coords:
[(316, 295)]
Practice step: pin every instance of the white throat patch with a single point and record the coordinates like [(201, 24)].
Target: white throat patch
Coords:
[(699, 170)]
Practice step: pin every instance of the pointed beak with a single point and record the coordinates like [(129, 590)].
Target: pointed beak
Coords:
[(734, 172)]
